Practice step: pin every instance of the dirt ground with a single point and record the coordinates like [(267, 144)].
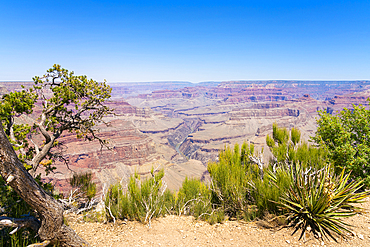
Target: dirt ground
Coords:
[(185, 231)]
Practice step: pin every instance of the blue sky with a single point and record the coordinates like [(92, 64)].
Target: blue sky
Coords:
[(129, 41)]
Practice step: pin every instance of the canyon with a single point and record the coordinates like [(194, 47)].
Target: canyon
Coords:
[(180, 127)]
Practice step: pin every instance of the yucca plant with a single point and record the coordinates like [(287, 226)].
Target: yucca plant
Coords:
[(319, 199)]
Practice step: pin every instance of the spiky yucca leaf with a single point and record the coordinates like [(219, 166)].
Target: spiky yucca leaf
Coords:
[(319, 199)]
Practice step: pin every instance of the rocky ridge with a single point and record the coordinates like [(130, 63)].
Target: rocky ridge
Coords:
[(182, 128)]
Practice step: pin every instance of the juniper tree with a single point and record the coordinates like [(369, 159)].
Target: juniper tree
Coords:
[(346, 137), (59, 102)]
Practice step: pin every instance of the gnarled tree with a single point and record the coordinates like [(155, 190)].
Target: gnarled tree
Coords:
[(50, 226), (66, 103)]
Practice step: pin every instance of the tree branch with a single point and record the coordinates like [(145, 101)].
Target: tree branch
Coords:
[(42, 128), (28, 221), (51, 212), (42, 153), (37, 149)]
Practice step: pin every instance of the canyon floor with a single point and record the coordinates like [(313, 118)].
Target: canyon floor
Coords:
[(185, 231)]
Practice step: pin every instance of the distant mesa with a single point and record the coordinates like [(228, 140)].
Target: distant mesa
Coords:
[(180, 126)]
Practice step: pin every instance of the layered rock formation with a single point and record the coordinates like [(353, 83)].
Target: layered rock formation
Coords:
[(339, 102), (240, 111), (3, 90), (181, 127)]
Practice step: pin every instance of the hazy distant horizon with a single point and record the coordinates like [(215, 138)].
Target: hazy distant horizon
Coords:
[(143, 82)]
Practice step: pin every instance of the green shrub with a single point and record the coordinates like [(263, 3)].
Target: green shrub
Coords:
[(238, 186), (142, 201), (116, 202), (346, 138), (243, 190), (194, 198), (86, 187), (147, 199), (229, 180), (288, 149), (268, 190)]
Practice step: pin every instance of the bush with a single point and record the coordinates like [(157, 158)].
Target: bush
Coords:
[(147, 199), (84, 184), (243, 189), (288, 149), (239, 187), (299, 182), (142, 201), (268, 190), (346, 138), (319, 198), (194, 198), (229, 180)]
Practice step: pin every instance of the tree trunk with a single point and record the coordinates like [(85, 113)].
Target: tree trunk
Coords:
[(50, 211)]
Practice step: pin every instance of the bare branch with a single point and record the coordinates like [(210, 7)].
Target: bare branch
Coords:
[(37, 149), (19, 223), (45, 243), (42, 128)]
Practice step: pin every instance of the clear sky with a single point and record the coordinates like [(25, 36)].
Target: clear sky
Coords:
[(130, 41)]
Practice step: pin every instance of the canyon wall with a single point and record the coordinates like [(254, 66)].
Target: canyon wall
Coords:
[(181, 127)]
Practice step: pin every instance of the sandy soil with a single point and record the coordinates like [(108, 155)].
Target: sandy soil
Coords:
[(185, 231)]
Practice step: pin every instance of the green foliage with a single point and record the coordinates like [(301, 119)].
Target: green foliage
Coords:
[(194, 198), (147, 199), (307, 187), (309, 156), (302, 186), (299, 182), (318, 199), (292, 151), (268, 190), (142, 201), (280, 135), (116, 202), (12, 105), (83, 182), (346, 138), (16, 103), (12, 205), (72, 97), (230, 177), (68, 103), (239, 188), (270, 141), (295, 136)]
